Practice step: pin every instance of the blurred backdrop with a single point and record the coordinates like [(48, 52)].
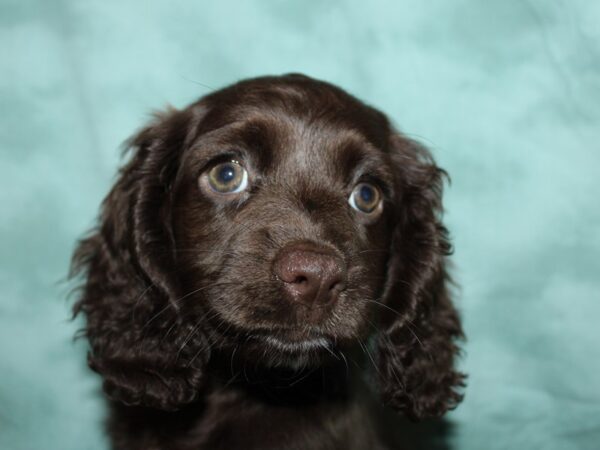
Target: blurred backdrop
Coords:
[(505, 93)]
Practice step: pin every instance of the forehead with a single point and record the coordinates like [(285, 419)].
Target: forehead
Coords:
[(302, 99), (319, 130)]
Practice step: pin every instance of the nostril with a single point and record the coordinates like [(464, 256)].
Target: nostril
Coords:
[(300, 279), (336, 287)]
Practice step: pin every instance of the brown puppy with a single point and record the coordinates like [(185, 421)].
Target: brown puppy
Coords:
[(258, 249)]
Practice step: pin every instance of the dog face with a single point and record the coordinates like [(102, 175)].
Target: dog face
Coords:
[(282, 219), (283, 211)]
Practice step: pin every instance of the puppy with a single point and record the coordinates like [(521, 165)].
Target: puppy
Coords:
[(264, 252)]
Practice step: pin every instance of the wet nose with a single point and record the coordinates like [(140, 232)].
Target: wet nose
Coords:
[(310, 274)]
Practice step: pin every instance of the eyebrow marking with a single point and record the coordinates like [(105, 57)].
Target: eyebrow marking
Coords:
[(359, 158)]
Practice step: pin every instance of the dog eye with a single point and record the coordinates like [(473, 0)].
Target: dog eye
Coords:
[(228, 178), (365, 198)]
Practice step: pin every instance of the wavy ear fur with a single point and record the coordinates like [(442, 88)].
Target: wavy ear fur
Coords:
[(417, 347), (146, 354)]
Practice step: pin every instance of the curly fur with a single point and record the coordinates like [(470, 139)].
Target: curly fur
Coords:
[(174, 299)]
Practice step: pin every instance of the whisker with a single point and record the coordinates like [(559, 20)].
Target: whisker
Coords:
[(310, 372), (326, 347), (180, 299), (345, 362), (188, 338), (233, 375), (370, 356), (373, 251), (408, 322), (396, 362), (384, 306), (208, 347), (137, 301)]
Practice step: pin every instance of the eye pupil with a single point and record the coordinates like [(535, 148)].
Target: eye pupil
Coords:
[(226, 173), (366, 194)]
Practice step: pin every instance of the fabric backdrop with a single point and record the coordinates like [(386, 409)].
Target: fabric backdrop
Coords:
[(505, 93)]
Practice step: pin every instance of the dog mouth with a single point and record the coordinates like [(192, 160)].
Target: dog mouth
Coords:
[(293, 343)]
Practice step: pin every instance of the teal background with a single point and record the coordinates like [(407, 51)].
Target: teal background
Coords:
[(505, 93)]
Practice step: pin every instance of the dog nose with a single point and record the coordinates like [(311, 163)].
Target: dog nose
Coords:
[(310, 275)]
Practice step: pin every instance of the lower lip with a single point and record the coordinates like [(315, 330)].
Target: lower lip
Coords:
[(298, 346)]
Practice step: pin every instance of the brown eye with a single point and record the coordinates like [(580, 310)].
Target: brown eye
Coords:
[(365, 198), (228, 178)]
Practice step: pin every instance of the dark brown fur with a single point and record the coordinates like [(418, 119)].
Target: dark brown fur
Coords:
[(182, 308)]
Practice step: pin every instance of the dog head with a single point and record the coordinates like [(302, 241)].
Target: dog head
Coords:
[(282, 219)]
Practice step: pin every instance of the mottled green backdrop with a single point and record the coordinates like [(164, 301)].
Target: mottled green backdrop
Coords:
[(506, 93)]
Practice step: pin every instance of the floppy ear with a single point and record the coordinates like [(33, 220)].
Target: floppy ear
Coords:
[(146, 353), (417, 346)]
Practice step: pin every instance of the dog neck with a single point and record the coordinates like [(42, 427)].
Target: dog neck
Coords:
[(280, 386)]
